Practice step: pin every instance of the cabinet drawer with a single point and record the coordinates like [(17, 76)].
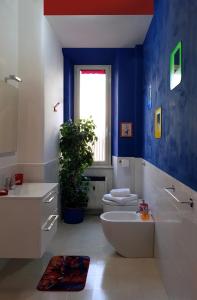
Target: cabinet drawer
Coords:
[(49, 205), (48, 231)]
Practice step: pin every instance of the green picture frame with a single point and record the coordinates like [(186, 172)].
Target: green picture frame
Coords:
[(176, 66)]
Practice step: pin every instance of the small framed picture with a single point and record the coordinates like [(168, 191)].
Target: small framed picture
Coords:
[(158, 123), (126, 129)]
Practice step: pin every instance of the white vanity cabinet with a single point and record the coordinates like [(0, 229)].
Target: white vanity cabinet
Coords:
[(28, 220)]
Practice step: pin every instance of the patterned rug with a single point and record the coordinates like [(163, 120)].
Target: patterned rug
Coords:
[(65, 273)]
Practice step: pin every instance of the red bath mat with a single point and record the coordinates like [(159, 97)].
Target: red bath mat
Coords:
[(65, 273)]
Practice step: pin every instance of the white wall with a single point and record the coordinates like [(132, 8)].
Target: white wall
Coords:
[(175, 224), (53, 90), (8, 38), (31, 93), (107, 172), (41, 68), (175, 232), (29, 49), (8, 54), (127, 173)]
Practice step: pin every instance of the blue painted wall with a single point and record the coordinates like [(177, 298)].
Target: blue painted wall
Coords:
[(176, 151), (126, 90), (129, 82), (68, 89)]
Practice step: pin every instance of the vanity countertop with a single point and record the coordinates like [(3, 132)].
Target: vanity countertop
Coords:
[(30, 190)]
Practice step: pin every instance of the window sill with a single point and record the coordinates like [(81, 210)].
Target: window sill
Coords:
[(101, 167)]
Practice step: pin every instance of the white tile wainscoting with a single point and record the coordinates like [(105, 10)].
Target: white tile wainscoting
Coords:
[(120, 176), (106, 171), (176, 224), (6, 171), (175, 232), (40, 172), (127, 173), (33, 172)]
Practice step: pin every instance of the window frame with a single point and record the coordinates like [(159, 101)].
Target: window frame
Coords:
[(107, 69)]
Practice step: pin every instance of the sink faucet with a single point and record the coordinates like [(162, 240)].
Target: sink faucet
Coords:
[(9, 183)]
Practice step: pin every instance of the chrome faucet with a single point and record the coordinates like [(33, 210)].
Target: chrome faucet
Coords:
[(9, 183)]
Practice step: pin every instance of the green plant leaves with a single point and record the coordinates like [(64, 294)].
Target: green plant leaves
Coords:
[(76, 141)]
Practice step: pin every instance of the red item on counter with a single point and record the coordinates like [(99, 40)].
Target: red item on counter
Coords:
[(3, 192), (143, 207), (19, 178)]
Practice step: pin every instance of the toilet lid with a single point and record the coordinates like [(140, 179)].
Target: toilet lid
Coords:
[(113, 203)]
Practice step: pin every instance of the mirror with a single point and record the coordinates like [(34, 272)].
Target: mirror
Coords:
[(176, 66), (8, 118)]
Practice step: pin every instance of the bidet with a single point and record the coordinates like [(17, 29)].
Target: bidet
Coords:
[(128, 233)]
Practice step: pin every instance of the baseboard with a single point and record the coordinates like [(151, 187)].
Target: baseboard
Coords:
[(93, 211)]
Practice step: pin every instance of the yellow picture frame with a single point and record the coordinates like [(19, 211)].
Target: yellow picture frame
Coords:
[(158, 123)]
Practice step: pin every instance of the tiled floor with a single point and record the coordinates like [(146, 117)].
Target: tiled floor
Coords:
[(110, 276)]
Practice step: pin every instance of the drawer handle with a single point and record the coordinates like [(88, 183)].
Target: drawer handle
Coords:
[(52, 193), (49, 200), (52, 219)]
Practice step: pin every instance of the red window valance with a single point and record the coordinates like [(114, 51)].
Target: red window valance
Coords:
[(98, 7), (93, 72)]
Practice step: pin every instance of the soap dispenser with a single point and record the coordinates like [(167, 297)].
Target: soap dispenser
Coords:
[(144, 210), (143, 206)]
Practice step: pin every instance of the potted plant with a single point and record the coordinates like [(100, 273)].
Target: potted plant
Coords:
[(76, 155)]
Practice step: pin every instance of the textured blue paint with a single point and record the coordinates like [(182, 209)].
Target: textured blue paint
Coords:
[(115, 104), (176, 152), (139, 113), (68, 90), (130, 99), (126, 96), (126, 90)]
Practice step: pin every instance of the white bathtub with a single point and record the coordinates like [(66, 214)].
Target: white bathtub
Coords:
[(128, 233)]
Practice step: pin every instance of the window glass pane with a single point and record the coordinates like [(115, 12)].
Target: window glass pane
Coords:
[(93, 103)]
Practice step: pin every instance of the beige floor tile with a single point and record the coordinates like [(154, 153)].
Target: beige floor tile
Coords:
[(45, 296), (32, 295), (115, 295), (110, 276), (10, 295), (83, 295)]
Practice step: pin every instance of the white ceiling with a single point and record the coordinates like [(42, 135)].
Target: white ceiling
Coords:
[(100, 31)]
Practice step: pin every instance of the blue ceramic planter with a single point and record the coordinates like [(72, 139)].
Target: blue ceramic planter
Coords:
[(73, 215)]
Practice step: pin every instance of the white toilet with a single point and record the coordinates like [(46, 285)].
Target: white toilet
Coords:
[(111, 204)]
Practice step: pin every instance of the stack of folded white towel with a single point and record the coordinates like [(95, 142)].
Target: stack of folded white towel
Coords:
[(121, 196)]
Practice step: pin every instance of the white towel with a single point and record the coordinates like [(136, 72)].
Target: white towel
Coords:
[(120, 192), (122, 200)]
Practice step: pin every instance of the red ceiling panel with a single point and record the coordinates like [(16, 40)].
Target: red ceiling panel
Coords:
[(98, 7)]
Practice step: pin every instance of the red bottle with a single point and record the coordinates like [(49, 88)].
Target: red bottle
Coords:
[(19, 178), (3, 192), (143, 207)]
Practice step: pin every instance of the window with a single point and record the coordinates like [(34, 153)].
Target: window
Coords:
[(93, 99)]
